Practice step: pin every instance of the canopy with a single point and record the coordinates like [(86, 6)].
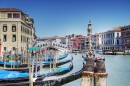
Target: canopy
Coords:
[(4, 74)]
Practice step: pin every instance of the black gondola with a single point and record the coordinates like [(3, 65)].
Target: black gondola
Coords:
[(60, 80), (22, 69), (59, 63)]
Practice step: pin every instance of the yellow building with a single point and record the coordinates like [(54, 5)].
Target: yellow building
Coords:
[(15, 30)]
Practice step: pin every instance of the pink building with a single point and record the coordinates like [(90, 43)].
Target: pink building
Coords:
[(78, 42), (125, 34)]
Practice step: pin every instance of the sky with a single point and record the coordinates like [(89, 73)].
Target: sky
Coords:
[(66, 17)]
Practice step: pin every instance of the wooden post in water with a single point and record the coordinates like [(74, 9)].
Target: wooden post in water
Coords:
[(36, 56), (14, 58), (4, 61), (88, 73), (11, 59), (100, 75), (53, 61), (30, 74), (47, 51), (55, 58), (50, 59), (28, 56), (41, 62)]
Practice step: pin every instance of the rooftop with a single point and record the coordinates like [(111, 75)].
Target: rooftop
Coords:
[(116, 29), (10, 10)]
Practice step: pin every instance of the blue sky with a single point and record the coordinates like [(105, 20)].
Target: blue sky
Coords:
[(65, 17)]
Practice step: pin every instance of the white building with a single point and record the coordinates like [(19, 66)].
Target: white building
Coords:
[(111, 39), (96, 40)]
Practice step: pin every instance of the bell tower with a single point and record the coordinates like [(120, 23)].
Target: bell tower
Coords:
[(89, 28)]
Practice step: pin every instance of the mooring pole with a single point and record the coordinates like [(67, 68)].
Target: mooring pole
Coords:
[(50, 59), (36, 56), (4, 61), (88, 73), (31, 72), (100, 75), (11, 60), (40, 62), (14, 58)]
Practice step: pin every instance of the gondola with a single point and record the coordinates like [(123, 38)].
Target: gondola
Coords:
[(24, 70), (19, 65), (38, 68), (59, 63), (59, 80), (52, 57), (24, 77), (16, 64)]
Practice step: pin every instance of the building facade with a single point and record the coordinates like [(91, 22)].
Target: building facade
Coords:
[(78, 43), (111, 39), (125, 34), (88, 43), (96, 40), (15, 30)]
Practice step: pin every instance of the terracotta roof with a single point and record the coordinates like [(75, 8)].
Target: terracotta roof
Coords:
[(116, 28), (9, 10)]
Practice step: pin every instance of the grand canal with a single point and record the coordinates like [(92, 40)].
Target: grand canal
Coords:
[(117, 66)]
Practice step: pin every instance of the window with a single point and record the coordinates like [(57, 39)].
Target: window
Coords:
[(113, 41), (21, 38), (4, 48), (13, 48), (21, 28), (117, 41), (117, 34), (9, 15), (113, 34), (16, 15), (13, 38), (13, 28), (4, 28), (4, 38), (28, 31)]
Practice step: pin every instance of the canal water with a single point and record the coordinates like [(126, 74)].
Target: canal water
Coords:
[(117, 66)]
